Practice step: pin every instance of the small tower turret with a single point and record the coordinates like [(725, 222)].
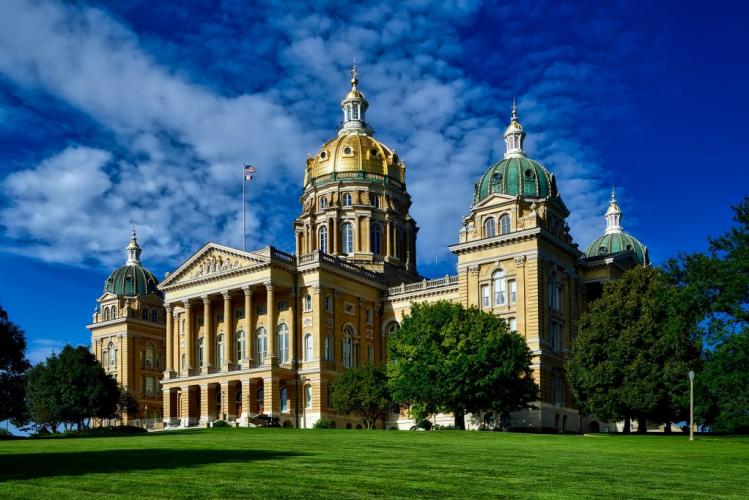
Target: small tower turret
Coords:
[(133, 251), (613, 215), (354, 107), (514, 135)]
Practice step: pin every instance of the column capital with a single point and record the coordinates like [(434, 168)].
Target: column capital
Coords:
[(186, 304), (247, 290), (268, 285), (226, 295), (168, 308), (206, 299)]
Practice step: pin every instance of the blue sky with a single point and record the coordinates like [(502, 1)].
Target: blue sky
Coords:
[(145, 111)]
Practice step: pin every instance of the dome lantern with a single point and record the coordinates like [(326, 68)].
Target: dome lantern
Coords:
[(613, 215), (514, 135), (354, 107), (133, 251)]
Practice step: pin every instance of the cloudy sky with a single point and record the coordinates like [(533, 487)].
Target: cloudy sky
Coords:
[(142, 111)]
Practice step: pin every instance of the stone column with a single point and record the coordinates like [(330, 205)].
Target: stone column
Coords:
[(208, 337), (388, 238), (121, 362), (246, 408), (334, 235), (293, 310), (249, 334), (272, 398), (167, 406), (204, 405), (318, 323), (228, 333), (223, 412), (362, 331), (169, 343), (189, 346), (270, 311)]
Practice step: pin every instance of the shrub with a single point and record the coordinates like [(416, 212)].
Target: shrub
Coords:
[(323, 423), (221, 423)]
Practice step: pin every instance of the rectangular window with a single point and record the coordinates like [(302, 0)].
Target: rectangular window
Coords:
[(200, 321), (513, 291), (370, 318), (239, 313), (485, 299), (328, 303), (500, 291), (512, 323), (348, 308), (550, 293), (219, 317), (558, 299), (283, 305), (260, 310)]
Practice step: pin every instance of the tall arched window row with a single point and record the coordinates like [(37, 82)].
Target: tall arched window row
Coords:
[(347, 237), (201, 350), (347, 350), (112, 355), (241, 346), (283, 343), (328, 348), (323, 239), (490, 229), (504, 224), (150, 355), (308, 396), (500, 288), (219, 350), (307, 302), (308, 347), (284, 397), (346, 199), (106, 314), (375, 239), (114, 312), (261, 344), (144, 313)]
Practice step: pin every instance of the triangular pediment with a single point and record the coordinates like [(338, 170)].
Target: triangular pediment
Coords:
[(495, 199), (212, 260), (106, 296)]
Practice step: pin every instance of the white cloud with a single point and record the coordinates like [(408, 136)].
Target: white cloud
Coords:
[(186, 141)]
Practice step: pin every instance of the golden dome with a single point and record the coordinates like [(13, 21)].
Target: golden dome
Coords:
[(354, 154)]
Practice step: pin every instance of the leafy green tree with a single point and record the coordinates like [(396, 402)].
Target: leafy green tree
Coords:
[(722, 387), (126, 405), (445, 358), (13, 367), (633, 351), (362, 391), (71, 388)]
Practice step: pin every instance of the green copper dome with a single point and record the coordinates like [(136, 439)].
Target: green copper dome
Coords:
[(613, 243), (131, 280), (516, 175)]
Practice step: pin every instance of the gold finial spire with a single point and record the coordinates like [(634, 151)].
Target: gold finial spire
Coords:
[(514, 110), (613, 194), (354, 75)]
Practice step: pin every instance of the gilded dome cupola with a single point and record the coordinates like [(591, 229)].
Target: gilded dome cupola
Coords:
[(354, 154), (132, 279), (516, 174)]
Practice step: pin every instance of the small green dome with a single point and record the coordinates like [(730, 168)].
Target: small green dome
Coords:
[(617, 242), (131, 280), (516, 175)]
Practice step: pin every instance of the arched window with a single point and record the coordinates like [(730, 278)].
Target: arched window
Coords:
[(375, 239), (490, 229), (308, 396), (328, 303), (500, 285), (307, 302), (144, 313), (346, 200), (323, 202), (114, 312), (329, 348), (150, 355), (370, 353), (112, 355), (308, 347), (201, 350), (241, 346), (375, 198), (347, 236), (284, 396), (106, 314), (154, 316), (504, 224), (348, 332), (261, 347), (184, 361), (355, 114), (260, 400), (283, 343), (323, 239), (219, 351)]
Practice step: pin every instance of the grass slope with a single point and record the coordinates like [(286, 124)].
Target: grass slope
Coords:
[(289, 463)]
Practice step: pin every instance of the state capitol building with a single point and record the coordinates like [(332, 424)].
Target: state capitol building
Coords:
[(233, 335)]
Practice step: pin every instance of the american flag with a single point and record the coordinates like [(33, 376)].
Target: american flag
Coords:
[(248, 171)]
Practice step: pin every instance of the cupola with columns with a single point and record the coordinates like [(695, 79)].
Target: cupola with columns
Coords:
[(614, 239), (355, 202)]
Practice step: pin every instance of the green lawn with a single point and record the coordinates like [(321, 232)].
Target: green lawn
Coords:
[(289, 463)]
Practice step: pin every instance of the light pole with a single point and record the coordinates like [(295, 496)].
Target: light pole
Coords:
[(691, 405)]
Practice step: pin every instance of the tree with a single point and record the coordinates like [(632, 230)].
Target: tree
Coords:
[(71, 388), (364, 392), (445, 358), (126, 405), (633, 350), (13, 367)]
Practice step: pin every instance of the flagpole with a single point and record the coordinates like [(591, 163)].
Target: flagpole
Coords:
[(244, 210)]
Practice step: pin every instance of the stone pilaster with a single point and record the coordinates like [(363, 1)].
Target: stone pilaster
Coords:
[(270, 311), (249, 322), (209, 339), (228, 333), (169, 344)]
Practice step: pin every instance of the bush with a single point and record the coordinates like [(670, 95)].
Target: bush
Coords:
[(323, 423), (221, 423)]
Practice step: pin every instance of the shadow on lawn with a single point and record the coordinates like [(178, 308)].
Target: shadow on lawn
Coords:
[(39, 465)]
